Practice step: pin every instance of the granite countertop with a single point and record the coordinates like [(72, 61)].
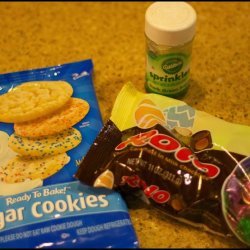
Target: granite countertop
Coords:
[(41, 34)]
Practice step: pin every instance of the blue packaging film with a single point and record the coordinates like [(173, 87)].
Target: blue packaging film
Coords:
[(58, 211)]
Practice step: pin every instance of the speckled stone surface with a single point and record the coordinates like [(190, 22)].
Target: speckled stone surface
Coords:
[(43, 34)]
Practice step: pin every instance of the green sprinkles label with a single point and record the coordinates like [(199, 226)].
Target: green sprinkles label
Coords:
[(168, 74)]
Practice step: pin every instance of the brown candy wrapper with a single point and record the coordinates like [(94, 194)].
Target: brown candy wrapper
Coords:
[(175, 165)]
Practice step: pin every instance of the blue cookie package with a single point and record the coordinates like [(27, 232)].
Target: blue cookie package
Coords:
[(42, 204)]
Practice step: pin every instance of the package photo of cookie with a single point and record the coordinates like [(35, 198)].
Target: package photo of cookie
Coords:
[(33, 99)]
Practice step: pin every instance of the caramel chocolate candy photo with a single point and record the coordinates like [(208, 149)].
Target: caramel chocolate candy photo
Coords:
[(201, 140)]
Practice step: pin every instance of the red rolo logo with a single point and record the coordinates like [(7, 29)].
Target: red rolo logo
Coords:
[(168, 144)]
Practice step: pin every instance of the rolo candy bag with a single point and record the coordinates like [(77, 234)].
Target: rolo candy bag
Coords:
[(189, 164)]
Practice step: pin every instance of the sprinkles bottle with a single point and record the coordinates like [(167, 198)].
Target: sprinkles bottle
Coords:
[(169, 31)]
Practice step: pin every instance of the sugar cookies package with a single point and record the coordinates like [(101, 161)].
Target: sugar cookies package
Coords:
[(191, 165), (49, 118)]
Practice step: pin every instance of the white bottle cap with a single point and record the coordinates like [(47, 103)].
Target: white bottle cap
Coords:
[(170, 23)]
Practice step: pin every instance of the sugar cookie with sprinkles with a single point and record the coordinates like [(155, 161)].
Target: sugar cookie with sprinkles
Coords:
[(45, 145), (32, 100), (20, 169), (70, 114)]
